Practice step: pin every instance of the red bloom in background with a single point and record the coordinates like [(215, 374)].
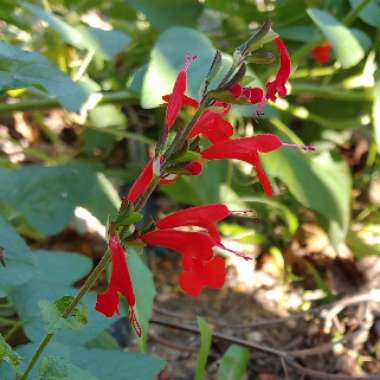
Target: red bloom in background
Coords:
[(199, 274), (277, 86), (120, 282), (201, 216), (246, 149), (321, 52), (177, 98)]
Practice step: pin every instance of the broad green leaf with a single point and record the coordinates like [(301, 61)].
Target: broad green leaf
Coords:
[(58, 270), (302, 33), (144, 288), (106, 43), (376, 113), (46, 196), (19, 68), (318, 182), (8, 355), (102, 200), (370, 14), (104, 364), (167, 57), (107, 115), (18, 258), (234, 363), (206, 339), (56, 368), (346, 47), (52, 315), (163, 14)]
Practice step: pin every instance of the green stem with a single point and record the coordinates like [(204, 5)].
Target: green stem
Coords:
[(12, 330), (354, 12), (7, 322), (48, 103), (82, 291)]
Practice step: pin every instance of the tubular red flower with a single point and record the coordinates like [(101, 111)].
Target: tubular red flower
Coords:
[(211, 273), (190, 244), (277, 86), (120, 282), (246, 149), (141, 182), (176, 99), (213, 127), (321, 52), (204, 216)]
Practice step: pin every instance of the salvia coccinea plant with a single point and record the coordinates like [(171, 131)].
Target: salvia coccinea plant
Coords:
[(179, 151)]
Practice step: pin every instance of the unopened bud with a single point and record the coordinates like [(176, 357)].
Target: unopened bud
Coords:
[(194, 167)]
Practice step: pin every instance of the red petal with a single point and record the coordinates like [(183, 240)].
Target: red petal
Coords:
[(321, 53), (256, 95), (141, 182), (190, 283), (194, 167), (282, 76), (186, 100), (213, 127), (236, 90), (193, 244), (214, 272), (176, 99), (267, 187), (107, 303), (202, 216), (120, 277)]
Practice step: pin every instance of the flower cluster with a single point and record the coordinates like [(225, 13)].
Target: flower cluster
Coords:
[(192, 232)]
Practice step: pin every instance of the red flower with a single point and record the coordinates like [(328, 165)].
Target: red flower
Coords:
[(277, 86), (246, 149), (253, 94), (190, 244), (141, 182), (120, 282), (213, 127), (186, 100), (201, 216), (209, 273), (178, 97), (321, 52)]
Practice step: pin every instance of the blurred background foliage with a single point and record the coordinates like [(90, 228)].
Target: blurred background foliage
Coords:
[(81, 85)]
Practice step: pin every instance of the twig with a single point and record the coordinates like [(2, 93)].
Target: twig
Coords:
[(287, 356)]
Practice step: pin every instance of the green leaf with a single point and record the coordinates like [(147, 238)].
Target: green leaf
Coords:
[(46, 196), (166, 13), (19, 68), (57, 271), (105, 43), (8, 355), (346, 47), (370, 14), (206, 339), (143, 286), (167, 57), (18, 259), (52, 315), (234, 363), (104, 364), (318, 182), (56, 368), (376, 113)]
